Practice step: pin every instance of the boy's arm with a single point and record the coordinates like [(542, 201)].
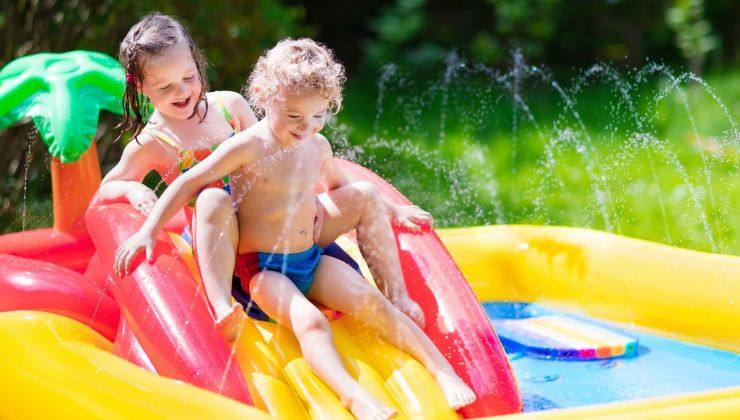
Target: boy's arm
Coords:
[(123, 182), (226, 158)]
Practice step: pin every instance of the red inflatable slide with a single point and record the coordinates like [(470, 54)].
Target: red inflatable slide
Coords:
[(455, 320)]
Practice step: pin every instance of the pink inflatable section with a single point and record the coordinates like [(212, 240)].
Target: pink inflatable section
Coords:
[(27, 284)]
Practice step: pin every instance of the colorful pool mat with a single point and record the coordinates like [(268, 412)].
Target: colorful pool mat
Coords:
[(536, 330)]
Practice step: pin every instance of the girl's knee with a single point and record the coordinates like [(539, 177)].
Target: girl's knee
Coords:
[(213, 202)]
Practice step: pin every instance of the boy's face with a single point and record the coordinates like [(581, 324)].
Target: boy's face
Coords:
[(171, 82), (298, 117)]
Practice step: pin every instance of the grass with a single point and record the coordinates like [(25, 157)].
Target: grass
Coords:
[(642, 167)]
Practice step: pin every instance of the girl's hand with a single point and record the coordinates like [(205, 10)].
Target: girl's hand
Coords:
[(129, 249), (413, 217), (142, 199)]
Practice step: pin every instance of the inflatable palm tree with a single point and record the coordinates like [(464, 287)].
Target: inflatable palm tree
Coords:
[(63, 95)]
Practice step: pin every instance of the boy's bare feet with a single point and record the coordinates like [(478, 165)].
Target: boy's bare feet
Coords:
[(365, 407), (411, 309), (229, 323), (458, 394)]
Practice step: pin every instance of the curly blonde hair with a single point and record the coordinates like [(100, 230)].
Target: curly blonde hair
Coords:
[(295, 66)]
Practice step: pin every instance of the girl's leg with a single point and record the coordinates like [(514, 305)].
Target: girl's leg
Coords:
[(339, 287), (216, 237), (279, 298), (359, 206)]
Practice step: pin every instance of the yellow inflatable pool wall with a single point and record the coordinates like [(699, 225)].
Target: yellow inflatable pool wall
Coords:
[(677, 293), (55, 367)]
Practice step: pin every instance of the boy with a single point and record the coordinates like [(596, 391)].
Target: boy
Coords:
[(275, 167)]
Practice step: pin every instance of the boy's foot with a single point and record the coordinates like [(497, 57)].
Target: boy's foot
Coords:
[(229, 323), (365, 407), (411, 309), (458, 394)]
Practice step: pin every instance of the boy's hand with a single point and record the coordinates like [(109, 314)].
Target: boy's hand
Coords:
[(129, 249), (142, 199), (413, 217)]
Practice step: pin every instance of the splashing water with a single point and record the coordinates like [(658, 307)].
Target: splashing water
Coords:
[(606, 149)]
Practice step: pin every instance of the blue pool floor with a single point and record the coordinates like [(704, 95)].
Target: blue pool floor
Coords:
[(662, 367)]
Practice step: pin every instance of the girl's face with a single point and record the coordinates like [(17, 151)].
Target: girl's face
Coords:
[(298, 117), (171, 82)]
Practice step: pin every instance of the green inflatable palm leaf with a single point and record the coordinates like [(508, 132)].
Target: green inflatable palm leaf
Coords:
[(63, 94)]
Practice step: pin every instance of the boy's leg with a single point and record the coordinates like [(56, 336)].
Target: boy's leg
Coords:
[(359, 206), (339, 287), (216, 237), (279, 298)]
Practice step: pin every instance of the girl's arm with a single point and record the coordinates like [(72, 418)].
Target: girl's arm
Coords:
[(228, 157), (123, 182)]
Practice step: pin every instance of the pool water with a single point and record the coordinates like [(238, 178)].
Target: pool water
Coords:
[(661, 367)]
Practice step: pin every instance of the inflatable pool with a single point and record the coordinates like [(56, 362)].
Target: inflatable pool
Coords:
[(78, 341)]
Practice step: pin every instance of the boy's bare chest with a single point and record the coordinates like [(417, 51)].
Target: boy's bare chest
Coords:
[(294, 170)]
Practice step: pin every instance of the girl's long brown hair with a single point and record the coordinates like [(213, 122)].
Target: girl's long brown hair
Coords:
[(150, 37)]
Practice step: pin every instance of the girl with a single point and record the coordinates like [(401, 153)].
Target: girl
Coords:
[(164, 65)]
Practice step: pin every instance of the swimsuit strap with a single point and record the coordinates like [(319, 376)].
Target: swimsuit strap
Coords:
[(162, 136), (185, 157), (225, 111), (234, 125)]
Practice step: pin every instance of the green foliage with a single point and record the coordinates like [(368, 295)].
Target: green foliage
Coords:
[(526, 25), (558, 32), (694, 35), (397, 26), (232, 33)]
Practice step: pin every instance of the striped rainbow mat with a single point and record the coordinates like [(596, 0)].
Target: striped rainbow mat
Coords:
[(563, 337)]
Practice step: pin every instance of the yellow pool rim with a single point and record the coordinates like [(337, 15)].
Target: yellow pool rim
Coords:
[(677, 293)]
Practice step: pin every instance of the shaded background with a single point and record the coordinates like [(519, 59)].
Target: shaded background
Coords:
[(424, 39)]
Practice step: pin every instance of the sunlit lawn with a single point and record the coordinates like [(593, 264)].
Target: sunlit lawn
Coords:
[(486, 166)]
